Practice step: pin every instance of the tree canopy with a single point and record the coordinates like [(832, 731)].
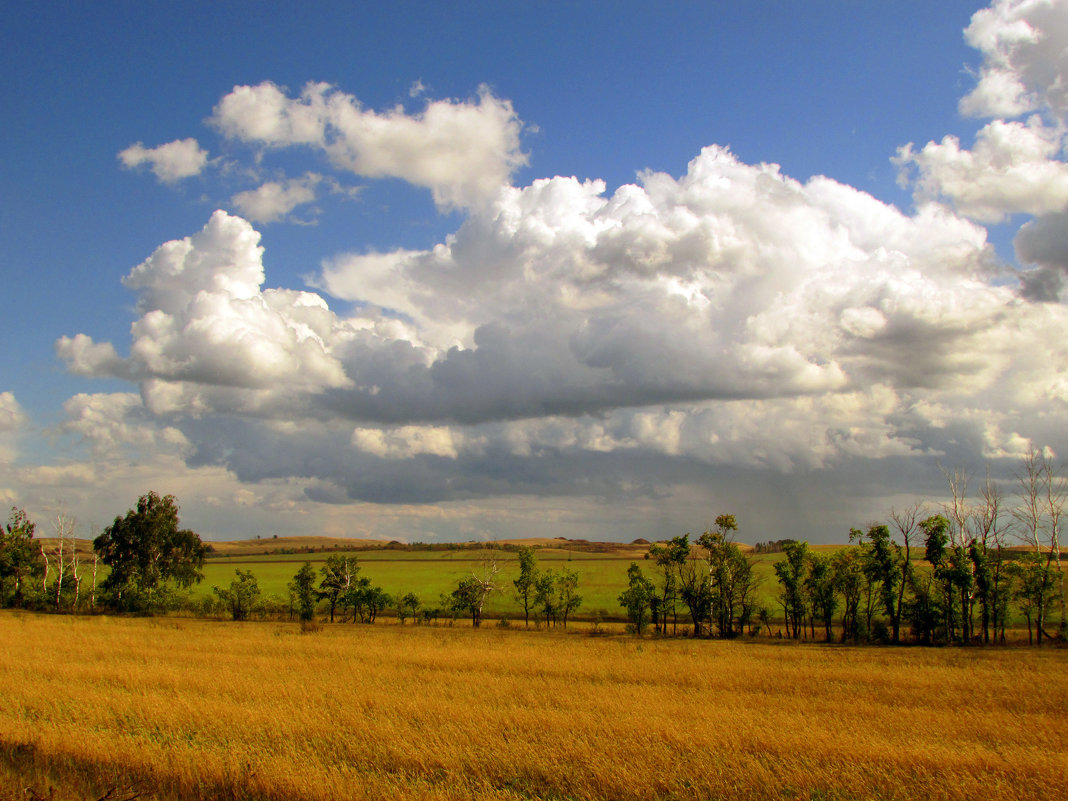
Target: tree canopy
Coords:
[(146, 550)]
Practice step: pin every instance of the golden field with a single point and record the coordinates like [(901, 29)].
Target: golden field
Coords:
[(183, 708)]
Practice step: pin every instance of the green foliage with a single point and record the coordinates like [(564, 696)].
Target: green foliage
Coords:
[(791, 573), (242, 596), (637, 597), (882, 559), (145, 550), (20, 558), (1034, 589), (302, 589), (730, 580), (526, 584), (407, 604), (467, 598), (366, 600), (338, 575)]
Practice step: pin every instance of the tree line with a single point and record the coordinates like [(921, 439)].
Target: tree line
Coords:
[(948, 576)]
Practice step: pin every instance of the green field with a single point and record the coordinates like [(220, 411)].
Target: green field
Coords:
[(429, 574)]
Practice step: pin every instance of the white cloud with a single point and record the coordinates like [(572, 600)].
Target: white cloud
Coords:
[(463, 151), (1012, 169), (13, 421), (405, 442), (206, 320), (113, 423), (12, 416), (171, 162), (731, 317), (273, 200), (1015, 167), (1025, 58)]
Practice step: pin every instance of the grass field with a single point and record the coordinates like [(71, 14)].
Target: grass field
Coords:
[(429, 574), (178, 708)]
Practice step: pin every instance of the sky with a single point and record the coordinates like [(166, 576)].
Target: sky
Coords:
[(474, 271)]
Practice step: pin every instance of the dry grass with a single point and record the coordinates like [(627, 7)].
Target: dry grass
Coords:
[(196, 709)]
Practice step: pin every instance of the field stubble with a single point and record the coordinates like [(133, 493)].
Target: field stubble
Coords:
[(199, 709)]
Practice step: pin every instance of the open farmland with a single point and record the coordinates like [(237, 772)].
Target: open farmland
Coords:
[(431, 573), (199, 709)]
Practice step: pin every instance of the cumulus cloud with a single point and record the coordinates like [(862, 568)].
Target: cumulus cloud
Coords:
[(116, 423), (273, 200), (205, 319), (1015, 166), (12, 416), (699, 329), (731, 317), (463, 151), (1024, 44), (182, 158), (1011, 169)]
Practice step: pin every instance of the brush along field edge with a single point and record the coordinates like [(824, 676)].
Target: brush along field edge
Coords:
[(200, 709)]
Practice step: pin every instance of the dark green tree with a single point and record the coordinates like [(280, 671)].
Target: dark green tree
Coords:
[(636, 598), (408, 604), (242, 596), (337, 576), (731, 581), (670, 557), (146, 551), (791, 573), (883, 560), (848, 576), (526, 584), (471, 593), (545, 595), (822, 592), (567, 597), (20, 558), (302, 588)]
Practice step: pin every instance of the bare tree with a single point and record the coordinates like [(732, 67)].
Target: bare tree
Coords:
[(990, 524), (1042, 498), (906, 523), (66, 555)]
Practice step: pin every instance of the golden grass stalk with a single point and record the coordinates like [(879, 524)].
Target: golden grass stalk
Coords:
[(199, 709)]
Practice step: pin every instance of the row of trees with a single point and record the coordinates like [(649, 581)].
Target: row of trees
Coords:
[(146, 552), (712, 578), (951, 576)]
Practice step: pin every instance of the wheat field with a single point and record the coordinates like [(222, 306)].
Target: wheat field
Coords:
[(183, 708)]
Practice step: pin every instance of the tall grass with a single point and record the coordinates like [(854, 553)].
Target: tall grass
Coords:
[(198, 709)]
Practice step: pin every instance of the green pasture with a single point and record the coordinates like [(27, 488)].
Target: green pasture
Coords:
[(430, 574)]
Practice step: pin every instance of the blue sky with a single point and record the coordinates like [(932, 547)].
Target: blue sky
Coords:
[(528, 368)]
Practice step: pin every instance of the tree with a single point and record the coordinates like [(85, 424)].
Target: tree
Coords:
[(146, 550), (525, 585), (408, 603), (241, 596), (337, 576), (567, 597), (303, 589), (545, 595), (635, 599), (670, 557), (471, 593), (731, 583), (1043, 495), (820, 586), (20, 559), (848, 576), (366, 600), (883, 558), (791, 574)]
